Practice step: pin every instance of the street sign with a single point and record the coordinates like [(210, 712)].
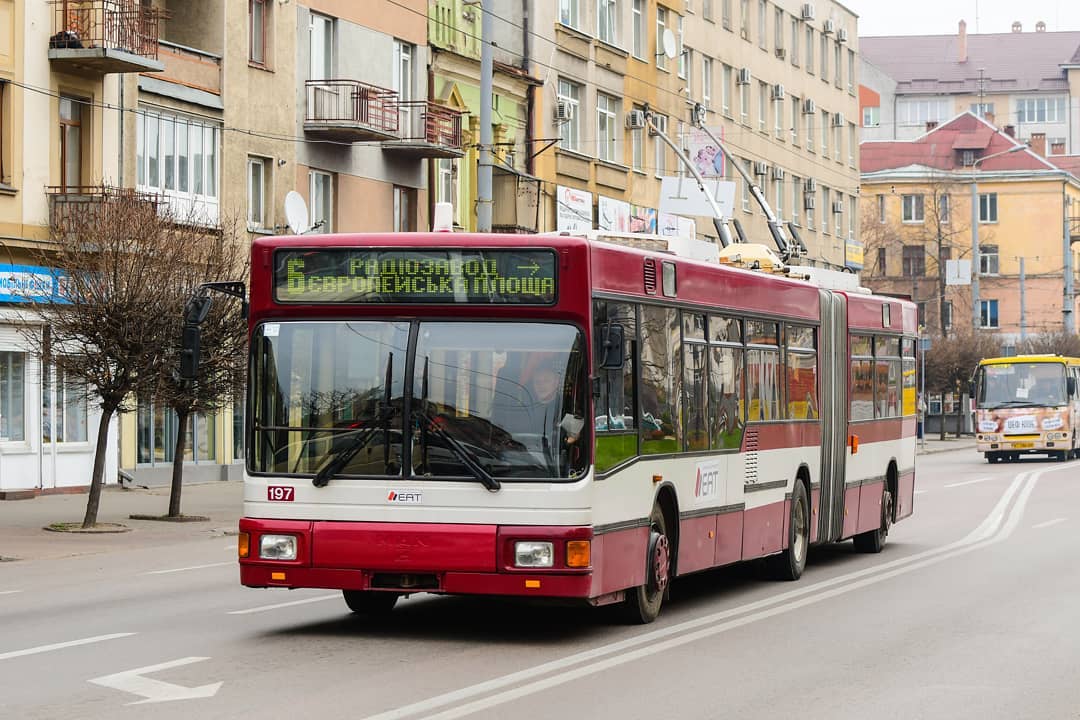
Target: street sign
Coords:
[(924, 344), (957, 272)]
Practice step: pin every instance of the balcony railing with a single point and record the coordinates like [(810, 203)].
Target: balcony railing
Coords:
[(350, 110), (105, 36), (427, 130), (74, 209)]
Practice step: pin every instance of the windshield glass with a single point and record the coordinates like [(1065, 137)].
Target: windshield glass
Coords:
[(1021, 383), (510, 397)]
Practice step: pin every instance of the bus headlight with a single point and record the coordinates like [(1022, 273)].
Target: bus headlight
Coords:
[(533, 554), (277, 547)]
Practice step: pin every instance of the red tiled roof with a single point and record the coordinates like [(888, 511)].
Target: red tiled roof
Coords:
[(939, 149), (1068, 163)]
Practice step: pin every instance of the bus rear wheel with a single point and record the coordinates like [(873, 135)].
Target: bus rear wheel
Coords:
[(874, 540), (369, 602), (790, 563), (642, 604)]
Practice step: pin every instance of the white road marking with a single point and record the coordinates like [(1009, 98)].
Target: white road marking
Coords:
[(62, 645), (996, 527), (265, 608), (155, 691), (1048, 523), (184, 569), (9, 592), (967, 482)]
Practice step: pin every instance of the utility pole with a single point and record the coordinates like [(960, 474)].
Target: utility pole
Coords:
[(1023, 305), (483, 174), (1068, 300)]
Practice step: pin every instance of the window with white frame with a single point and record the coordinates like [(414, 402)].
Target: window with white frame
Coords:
[(762, 19), (920, 111), (744, 19), (637, 145), (321, 192), (838, 66), (707, 9), (838, 141), (257, 182), (763, 106), (706, 81), (404, 209), (988, 260), (982, 109), (944, 208), (725, 90), (851, 144), (809, 49), (871, 116), (796, 31), (726, 18), (607, 21), (913, 208), (853, 208), (809, 210), (881, 209), (988, 313), (638, 20), (824, 57), (796, 198), (63, 414), (778, 118), (851, 71), (446, 181), (838, 214), (12, 396), (824, 209), (988, 208), (570, 130), (684, 52), (1042, 109), (796, 108), (744, 103), (570, 13), (809, 131), (321, 47), (825, 133), (661, 28), (778, 28), (660, 147), (177, 157), (749, 167), (778, 193), (258, 28), (607, 140)]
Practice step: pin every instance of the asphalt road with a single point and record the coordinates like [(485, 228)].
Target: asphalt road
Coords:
[(970, 612)]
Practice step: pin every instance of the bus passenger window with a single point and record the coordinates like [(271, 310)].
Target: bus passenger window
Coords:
[(802, 399), (695, 382), (660, 380), (615, 424)]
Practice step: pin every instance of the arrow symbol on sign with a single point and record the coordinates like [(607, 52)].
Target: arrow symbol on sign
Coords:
[(155, 691), (533, 268)]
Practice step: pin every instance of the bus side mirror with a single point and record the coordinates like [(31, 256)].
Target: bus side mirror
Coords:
[(612, 346), (1070, 384)]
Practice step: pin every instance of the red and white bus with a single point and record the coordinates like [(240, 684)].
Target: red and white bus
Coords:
[(559, 417)]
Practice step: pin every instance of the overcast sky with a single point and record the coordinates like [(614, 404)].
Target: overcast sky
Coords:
[(940, 17)]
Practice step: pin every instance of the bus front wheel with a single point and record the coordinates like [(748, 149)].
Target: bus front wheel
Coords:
[(369, 602), (642, 604)]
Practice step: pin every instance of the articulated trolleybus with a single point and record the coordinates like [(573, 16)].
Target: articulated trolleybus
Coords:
[(559, 417)]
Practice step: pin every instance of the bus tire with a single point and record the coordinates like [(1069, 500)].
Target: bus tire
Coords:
[(790, 563), (874, 540), (370, 602), (642, 604)]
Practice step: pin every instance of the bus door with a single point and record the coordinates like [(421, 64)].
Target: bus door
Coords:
[(833, 362)]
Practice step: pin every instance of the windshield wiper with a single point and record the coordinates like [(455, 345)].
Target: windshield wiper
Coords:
[(342, 457), (467, 458), (1017, 403)]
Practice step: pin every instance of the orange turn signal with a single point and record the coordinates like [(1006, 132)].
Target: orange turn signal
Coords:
[(854, 442), (578, 553), (277, 576), (243, 545)]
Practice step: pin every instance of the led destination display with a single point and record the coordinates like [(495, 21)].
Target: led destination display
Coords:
[(406, 276)]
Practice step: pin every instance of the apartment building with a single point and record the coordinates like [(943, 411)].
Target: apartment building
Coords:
[(62, 67), (1028, 79), (779, 83), (917, 209)]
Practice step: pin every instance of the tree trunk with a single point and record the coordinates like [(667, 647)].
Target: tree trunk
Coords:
[(178, 463), (97, 478)]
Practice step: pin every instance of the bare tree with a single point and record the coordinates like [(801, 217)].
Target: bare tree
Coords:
[(1056, 342), (218, 256), (115, 258), (951, 362)]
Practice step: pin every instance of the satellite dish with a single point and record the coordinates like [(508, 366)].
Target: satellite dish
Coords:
[(296, 213), (670, 48)]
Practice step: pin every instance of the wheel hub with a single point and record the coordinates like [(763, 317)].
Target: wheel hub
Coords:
[(661, 562)]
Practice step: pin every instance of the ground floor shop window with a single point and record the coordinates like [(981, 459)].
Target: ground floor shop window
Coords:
[(63, 414), (238, 431), (12, 396), (157, 428)]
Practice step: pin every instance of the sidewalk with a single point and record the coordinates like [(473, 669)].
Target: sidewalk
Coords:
[(931, 444), (21, 521)]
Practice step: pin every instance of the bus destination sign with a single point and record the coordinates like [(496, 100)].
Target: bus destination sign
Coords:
[(493, 276)]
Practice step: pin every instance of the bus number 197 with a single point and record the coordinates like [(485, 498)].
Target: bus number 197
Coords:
[(279, 493)]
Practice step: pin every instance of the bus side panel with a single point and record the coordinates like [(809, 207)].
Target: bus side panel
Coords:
[(763, 531), (905, 503), (619, 560), (729, 538), (851, 510), (870, 506), (697, 543), (815, 504)]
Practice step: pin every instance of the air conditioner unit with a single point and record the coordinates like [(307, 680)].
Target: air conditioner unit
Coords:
[(841, 35), (564, 110), (828, 27), (778, 173), (809, 107), (635, 120), (781, 53), (744, 76), (838, 120), (808, 11), (809, 202), (744, 34), (838, 206), (778, 92), (810, 186), (761, 168)]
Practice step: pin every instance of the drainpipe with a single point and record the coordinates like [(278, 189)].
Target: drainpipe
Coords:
[(530, 89)]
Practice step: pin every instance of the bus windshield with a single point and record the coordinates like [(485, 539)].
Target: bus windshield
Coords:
[(1021, 384), (509, 397)]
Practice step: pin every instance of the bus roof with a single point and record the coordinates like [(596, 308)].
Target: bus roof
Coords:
[(1030, 359)]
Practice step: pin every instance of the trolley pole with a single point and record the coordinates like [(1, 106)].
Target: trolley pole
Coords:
[(483, 174)]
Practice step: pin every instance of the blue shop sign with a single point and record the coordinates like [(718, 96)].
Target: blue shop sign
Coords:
[(30, 283)]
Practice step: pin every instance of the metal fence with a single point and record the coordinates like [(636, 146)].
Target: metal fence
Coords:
[(353, 103)]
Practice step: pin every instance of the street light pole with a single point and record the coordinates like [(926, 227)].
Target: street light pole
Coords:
[(975, 314)]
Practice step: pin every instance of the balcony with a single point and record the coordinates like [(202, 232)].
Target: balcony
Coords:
[(189, 67), (96, 37), (350, 111), (76, 210), (427, 130)]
